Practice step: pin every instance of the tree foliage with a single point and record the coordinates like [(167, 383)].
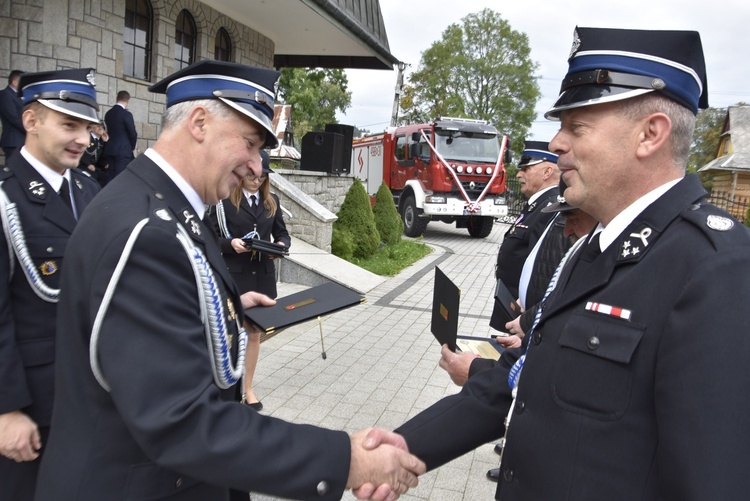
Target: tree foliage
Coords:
[(387, 219), (356, 218), (316, 95), (480, 69), (709, 125)]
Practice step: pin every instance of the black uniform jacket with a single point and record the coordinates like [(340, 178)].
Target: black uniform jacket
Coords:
[(11, 108), (27, 322), (650, 407), (521, 238), (122, 134), (165, 430), (250, 271)]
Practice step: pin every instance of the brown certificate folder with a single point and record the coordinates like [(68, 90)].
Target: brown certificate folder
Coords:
[(445, 305), (302, 306)]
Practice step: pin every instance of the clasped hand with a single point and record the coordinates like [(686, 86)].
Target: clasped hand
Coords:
[(381, 467)]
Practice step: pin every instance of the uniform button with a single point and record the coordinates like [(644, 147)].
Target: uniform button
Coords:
[(159, 195), (536, 338), (508, 475), (50, 250), (322, 488), (694, 207), (593, 343), (520, 406), (178, 484)]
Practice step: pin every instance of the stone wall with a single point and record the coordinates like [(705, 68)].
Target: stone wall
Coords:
[(312, 200), (46, 35)]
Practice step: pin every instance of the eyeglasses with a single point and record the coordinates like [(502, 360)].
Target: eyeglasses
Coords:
[(256, 178)]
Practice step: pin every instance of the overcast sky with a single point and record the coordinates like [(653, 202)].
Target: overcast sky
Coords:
[(414, 25)]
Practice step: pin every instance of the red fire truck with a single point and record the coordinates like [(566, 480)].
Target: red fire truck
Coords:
[(450, 170)]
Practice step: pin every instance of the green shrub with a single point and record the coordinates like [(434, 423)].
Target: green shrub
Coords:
[(387, 219), (747, 217), (342, 244), (356, 218)]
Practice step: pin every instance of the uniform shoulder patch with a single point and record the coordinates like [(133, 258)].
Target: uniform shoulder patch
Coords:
[(719, 223)]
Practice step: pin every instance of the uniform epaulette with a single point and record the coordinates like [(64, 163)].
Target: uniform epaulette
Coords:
[(713, 222), (5, 172), (82, 172)]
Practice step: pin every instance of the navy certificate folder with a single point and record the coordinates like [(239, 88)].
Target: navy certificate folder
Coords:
[(302, 306)]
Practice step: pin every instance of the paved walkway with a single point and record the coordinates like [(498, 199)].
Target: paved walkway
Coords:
[(381, 367)]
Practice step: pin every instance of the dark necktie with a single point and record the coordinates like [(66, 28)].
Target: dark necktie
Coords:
[(592, 249), (254, 200), (65, 194)]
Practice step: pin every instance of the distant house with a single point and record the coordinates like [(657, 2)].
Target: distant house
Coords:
[(730, 170), (286, 153)]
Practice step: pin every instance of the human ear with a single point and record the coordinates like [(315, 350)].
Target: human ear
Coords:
[(654, 134)]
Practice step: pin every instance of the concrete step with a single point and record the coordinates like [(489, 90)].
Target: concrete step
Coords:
[(310, 266)]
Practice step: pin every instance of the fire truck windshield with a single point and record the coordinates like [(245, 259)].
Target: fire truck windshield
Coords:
[(470, 147)]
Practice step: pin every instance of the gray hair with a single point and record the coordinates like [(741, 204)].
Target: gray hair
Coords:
[(178, 113), (683, 121)]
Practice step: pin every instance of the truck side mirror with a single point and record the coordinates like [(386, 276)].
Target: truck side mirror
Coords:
[(413, 150), (508, 158), (416, 136)]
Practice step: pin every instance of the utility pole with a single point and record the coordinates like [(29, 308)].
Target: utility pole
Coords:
[(397, 96)]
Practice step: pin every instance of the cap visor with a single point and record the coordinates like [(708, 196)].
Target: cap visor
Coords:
[(558, 207), (72, 108), (249, 111), (587, 95)]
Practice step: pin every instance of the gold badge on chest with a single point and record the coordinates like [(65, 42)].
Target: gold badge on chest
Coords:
[(48, 268)]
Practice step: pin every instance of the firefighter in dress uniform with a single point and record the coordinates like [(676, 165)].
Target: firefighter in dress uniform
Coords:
[(42, 193)]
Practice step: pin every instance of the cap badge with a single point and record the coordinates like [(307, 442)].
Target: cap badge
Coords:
[(163, 214), (37, 188), (90, 77), (719, 223), (48, 268), (576, 43)]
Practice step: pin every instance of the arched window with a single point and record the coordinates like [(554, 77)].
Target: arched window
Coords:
[(223, 50), (184, 40), (137, 37)]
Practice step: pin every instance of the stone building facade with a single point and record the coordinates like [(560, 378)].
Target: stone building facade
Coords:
[(45, 35), (312, 200)]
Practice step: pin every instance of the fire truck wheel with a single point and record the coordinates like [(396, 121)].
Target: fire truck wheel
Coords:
[(414, 225), (480, 226)]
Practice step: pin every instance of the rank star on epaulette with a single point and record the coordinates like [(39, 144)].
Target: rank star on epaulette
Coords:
[(79, 184), (48, 268), (37, 188)]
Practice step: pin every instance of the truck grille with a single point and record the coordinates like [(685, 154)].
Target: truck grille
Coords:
[(472, 188)]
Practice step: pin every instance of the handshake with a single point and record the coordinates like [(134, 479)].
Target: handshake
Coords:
[(381, 467)]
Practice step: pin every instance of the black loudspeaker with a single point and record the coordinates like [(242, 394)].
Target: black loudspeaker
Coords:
[(323, 152), (348, 132)]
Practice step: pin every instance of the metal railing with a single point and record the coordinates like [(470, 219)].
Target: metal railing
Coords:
[(736, 206)]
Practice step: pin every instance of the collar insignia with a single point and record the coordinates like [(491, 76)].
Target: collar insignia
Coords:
[(190, 219), (636, 243), (37, 188), (78, 183)]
